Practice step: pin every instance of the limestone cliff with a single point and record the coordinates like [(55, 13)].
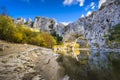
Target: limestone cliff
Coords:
[(44, 24), (96, 26), (20, 20)]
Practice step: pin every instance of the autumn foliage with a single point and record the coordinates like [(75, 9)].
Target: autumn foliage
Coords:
[(21, 34)]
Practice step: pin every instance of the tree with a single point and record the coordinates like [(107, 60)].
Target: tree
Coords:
[(6, 23), (49, 40)]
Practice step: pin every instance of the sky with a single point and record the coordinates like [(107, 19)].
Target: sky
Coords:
[(61, 10)]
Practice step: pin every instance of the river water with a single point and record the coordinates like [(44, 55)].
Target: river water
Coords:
[(89, 65)]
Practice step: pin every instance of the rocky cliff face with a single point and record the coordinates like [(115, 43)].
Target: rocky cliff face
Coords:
[(20, 20), (42, 23), (96, 26), (29, 22), (60, 29)]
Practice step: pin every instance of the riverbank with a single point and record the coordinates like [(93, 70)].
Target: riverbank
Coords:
[(27, 62)]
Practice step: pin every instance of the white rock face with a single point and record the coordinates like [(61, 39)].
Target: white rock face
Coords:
[(29, 22), (20, 20), (44, 24), (60, 29), (101, 2), (96, 26)]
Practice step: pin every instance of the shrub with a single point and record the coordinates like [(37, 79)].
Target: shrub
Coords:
[(17, 37), (57, 37), (49, 40), (20, 34), (115, 34)]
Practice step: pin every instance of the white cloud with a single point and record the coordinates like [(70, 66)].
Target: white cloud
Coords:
[(70, 2), (66, 23), (88, 13), (81, 2), (82, 15), (87, 7), (92, 4), (101, 2)]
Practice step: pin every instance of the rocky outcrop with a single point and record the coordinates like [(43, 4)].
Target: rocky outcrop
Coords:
[(29, 65), (20, 21), (104, 3), (60, 29), (44, 24), (29, 22), (96, 26)]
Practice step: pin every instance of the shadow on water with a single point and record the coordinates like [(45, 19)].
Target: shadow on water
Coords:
[(95, 66)]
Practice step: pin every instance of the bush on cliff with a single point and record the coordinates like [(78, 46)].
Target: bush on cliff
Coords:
[(115, 34), (114, 38)]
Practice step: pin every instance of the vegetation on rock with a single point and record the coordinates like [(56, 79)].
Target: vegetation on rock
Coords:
[(114, 38), (115, 34)]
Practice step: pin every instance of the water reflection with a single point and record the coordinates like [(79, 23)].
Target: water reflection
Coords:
[(94, 65)]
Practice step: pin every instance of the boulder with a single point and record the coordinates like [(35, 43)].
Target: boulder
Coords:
[(2, 47)]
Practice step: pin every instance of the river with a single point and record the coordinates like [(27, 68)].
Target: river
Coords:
[(89, 65)]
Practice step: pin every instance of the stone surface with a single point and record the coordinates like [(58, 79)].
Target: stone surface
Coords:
[(20, 20), (60, 29), (96, 26), (2, 47), (35, 63), (44, 24), (29, 22)]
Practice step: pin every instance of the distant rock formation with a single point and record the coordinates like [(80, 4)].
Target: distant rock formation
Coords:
[(44, 24), (60, 29), (20, 21), (29, 22)]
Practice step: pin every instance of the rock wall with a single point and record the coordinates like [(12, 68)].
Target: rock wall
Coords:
[(20, 20), (96, 26), (29, 22), (60, 29), (42, 23)]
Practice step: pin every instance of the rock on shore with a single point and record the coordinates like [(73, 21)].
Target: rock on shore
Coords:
[(36, 63)]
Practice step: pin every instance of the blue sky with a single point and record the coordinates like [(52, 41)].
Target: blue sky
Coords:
[(61, 10)]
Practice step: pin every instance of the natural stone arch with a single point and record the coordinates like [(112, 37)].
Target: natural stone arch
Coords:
[(75, 42), (80, 40)]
